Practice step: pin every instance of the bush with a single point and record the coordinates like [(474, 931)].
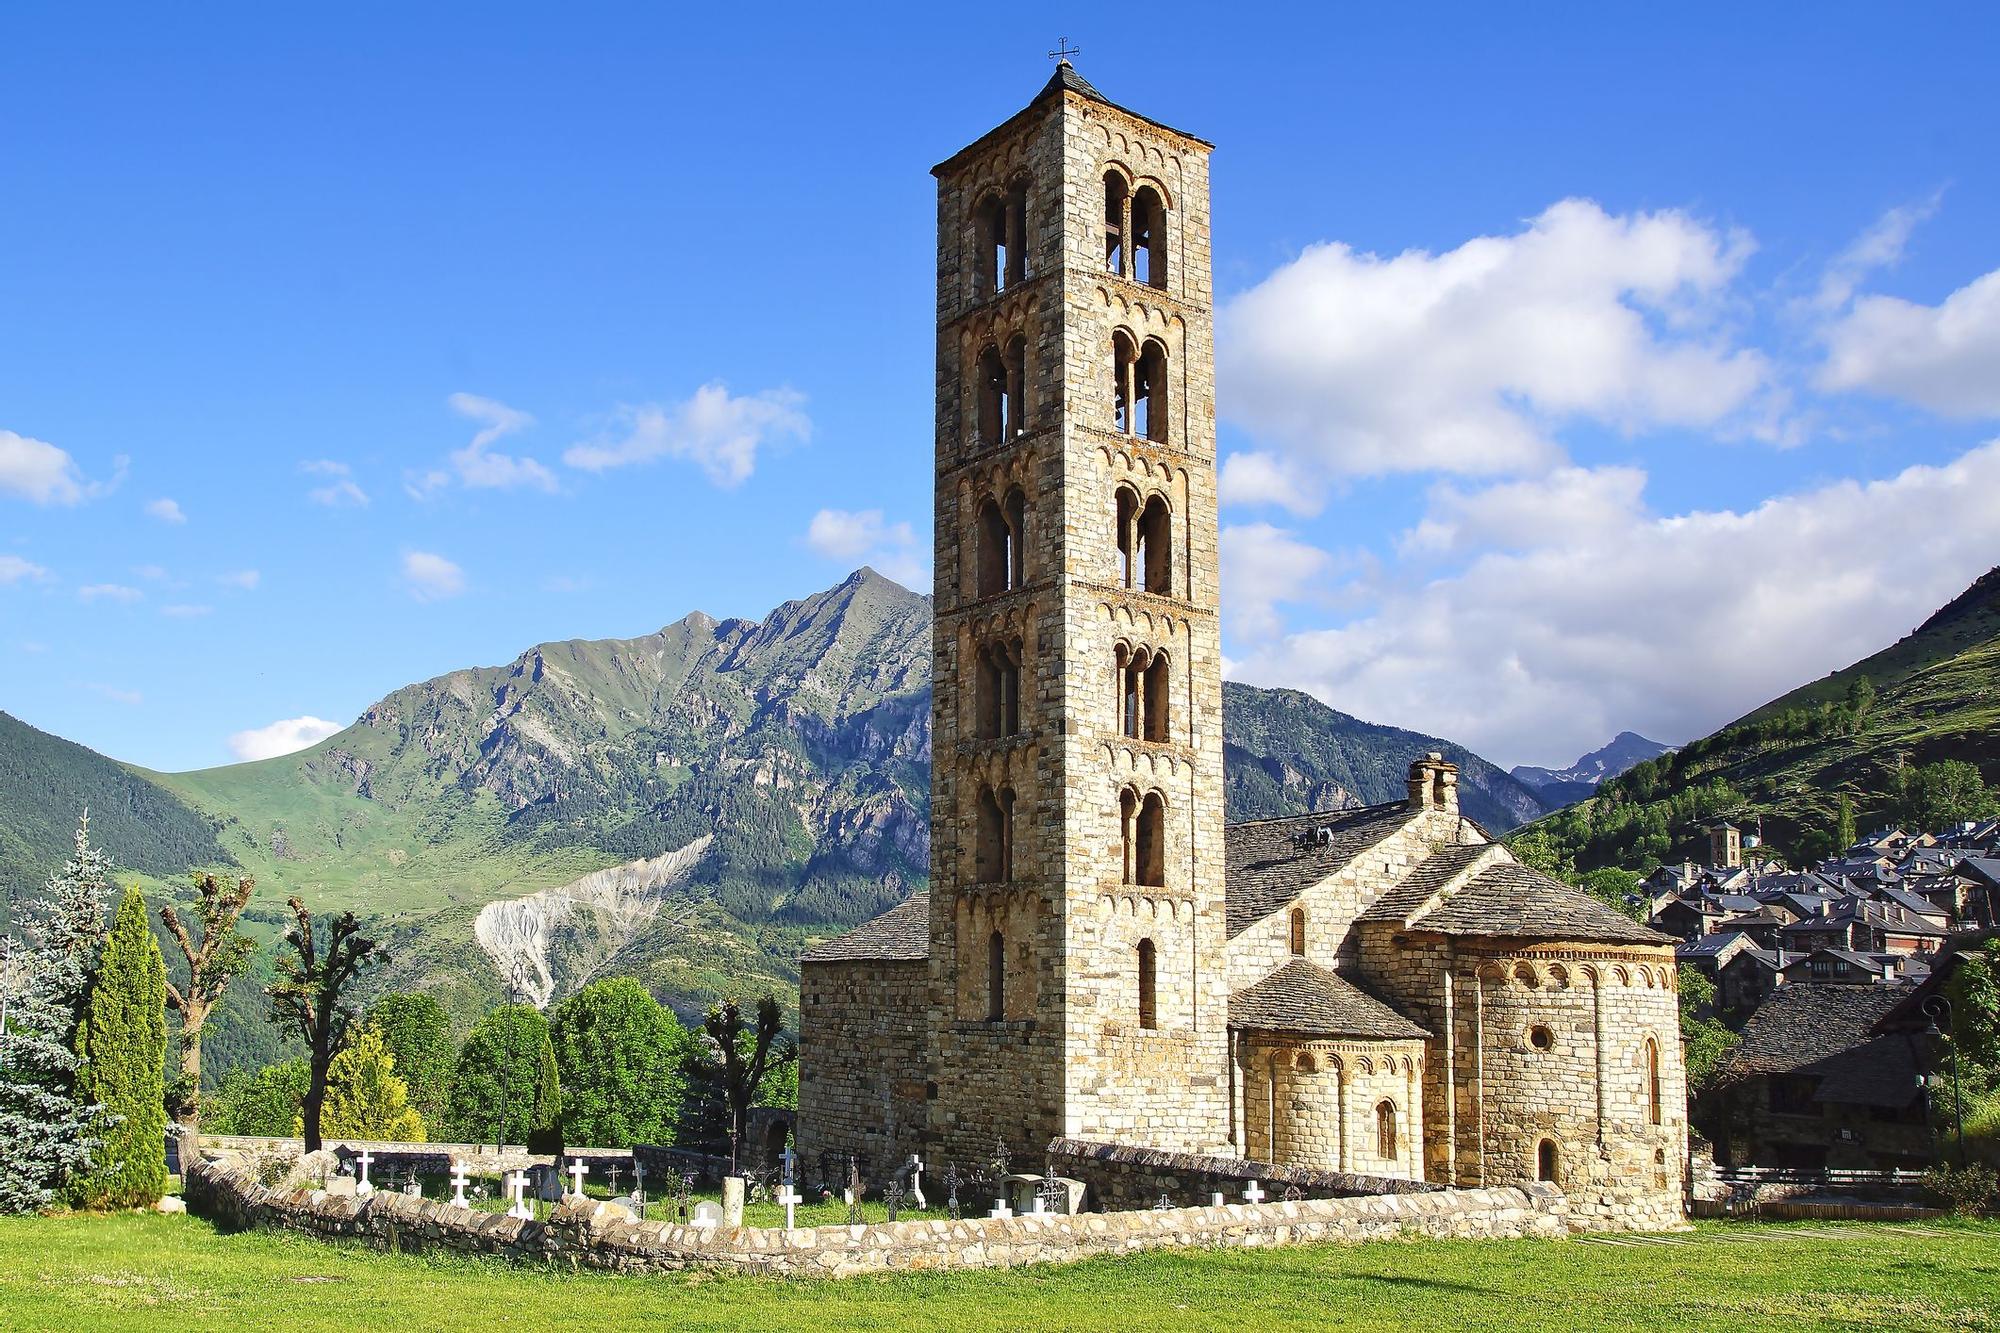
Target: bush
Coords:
[(1968, 1191)]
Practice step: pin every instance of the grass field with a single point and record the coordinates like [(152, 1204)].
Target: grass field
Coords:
[(144, 1271)]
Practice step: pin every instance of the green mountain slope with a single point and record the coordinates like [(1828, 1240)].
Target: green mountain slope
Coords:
[(45, 781), (1933, 695)]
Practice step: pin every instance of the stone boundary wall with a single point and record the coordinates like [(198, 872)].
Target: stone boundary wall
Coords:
[(582, 1234), (477, 1157), (1122, 1177)]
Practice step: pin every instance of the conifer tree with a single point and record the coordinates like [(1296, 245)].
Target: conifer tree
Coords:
[(122, 1043), (417, 1032), (365, 1099), (506, 1088), (46, 1133)]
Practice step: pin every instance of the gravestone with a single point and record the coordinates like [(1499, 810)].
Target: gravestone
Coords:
[(707, 1213), (732, 1201), (459, 1180)]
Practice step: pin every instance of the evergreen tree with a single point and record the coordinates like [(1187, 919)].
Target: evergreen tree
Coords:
[(364, 1097), (1845, 834), (417, 1032), (122, 1044), (506, 1088), (47, 1134), (619, 1056)]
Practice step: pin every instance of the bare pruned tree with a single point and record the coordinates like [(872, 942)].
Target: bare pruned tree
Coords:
[(212, 964), (310, 995)]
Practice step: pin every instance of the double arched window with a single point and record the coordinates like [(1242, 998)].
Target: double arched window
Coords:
[(996, 690), (1145, 542), (1142, 821), (1143, 693), (1003, 531), (1135, 231), (1000, 227), (1001, 378), (993, 850), (1139, 387)]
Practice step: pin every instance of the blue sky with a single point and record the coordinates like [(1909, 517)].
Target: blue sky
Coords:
[(1578, 369)]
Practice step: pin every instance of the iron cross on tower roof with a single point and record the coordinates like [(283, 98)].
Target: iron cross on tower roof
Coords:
[(1064, 50)]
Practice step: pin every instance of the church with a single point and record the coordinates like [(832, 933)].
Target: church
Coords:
[(1385, 991)]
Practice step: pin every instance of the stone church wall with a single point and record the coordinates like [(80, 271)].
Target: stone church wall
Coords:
[(862, 1062), (1314, 1104)]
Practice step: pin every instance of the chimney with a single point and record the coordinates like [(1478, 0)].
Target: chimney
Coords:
[(1434, 784)]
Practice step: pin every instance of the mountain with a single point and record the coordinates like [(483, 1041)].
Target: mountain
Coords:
[(1286, 753), (690, 806), (1933, 695), (1559, 786)]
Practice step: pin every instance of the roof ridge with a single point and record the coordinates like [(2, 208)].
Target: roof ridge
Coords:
[(1381, 807)]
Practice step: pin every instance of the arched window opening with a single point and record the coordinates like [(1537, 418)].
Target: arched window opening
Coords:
[(993, 853), (995, 550), (1155, 547), (1128, 833), (1149, 394), (989, 225), (1124, 366), (1152, 841), (1014, 270), (1298, 932), (1016, 510), (1128, 692), (1653, 1080), (1149, 237), (1153, 706), (1128, 535), (1116, 199), (1149, 1016), (997, 691), (996, 977), (1015, 401), (1385, 1130), (1546, 1162), (992, 381)]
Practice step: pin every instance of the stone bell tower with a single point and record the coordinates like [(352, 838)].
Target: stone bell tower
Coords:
[(1077, 931)]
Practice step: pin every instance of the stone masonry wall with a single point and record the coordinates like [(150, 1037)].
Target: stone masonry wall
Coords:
[(1314, 1103), (1119, 1177), (863, 1064), (581, 1234)]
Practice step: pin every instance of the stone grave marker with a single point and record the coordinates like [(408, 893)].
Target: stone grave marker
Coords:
[(577, 1171), (459, 1180), (363, 1187), (518, 1183), (708, 1213)]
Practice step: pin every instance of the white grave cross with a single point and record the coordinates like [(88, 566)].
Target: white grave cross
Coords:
[(917, 1181), (364, 1189), (577, 1171), (1040, 1208), (790, 1198), (1255, 1194), (518, 1182), (1219, 1200), (459, 1180), (1001, 1211)]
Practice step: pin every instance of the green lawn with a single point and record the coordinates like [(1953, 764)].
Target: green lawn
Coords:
[(144, 1271)]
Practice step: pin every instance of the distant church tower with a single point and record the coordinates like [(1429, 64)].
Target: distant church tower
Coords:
[(1077, 929)]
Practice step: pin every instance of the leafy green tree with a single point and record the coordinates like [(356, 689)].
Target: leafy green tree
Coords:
[(1973, 989), (310, 996), (47, 1130), (1845, 831), (266, 1102), (1616, 888), (364, 1097), (1539, 849), (739, 1054), (1705, 1041), (122, 1044), (506, 1088), (417, 1032), (211, 965), (1937, 796), (620, 1057)]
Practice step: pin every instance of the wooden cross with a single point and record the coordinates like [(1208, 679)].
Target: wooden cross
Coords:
[(1064, 50)]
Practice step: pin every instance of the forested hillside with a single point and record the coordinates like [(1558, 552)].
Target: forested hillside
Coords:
[(1831, 753)]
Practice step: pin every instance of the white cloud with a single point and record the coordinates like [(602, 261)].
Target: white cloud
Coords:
[(1879, 247), (151, 573), (1668, 625), (1263, 478), (340, 488), (116, 695), (430, 577), (715, 430), (1567, 505), (246, 579), (477, 466), (1262, 566), (13, 569), (166, 510), (891, 549), (281, 737), (1466, 361), (1944, 357), (108, 592), (38, 471), (186, 611)]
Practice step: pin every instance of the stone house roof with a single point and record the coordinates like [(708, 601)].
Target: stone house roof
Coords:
[(1428, 878), (901, 934), (1510, 899), (1308, 1000), (1263, 868), (1799, 1027)]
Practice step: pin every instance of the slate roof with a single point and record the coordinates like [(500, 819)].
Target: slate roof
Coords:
[(1065, 79), (1984, 869), (901, 934), (1510, 899), (1398, 901), (1307, 999), (1881, 1072), (1262, 870), (1709, 945), (1799, 1027)]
